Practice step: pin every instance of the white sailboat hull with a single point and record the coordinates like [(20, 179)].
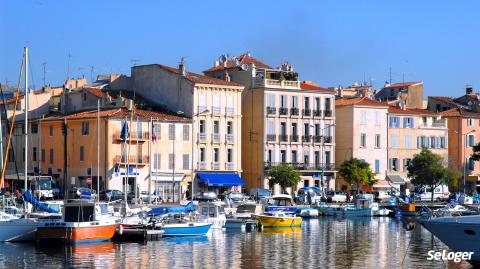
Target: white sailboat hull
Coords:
[(18, 230)]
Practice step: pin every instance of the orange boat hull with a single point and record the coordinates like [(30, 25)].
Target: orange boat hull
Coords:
[(76, 235)]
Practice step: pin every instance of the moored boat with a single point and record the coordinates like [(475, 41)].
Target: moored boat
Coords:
[(278, 219)]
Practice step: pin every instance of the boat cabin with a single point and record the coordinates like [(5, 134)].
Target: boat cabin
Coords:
[(282, 200), (210, 210), (85, 211)]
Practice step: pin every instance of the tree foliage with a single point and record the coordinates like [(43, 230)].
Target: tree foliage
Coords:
[(283, 175), (476, 152), (356, 171), (453, 178)]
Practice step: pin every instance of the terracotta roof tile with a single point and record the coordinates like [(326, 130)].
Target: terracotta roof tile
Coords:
[(197, 78), (364, 101), (403, 84), (458, 112), (122, 113), (410, 111), (443, 99), (95, 91), (243, 59), (306, 86)]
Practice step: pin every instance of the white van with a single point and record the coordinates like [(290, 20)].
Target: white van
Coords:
[(440, 193)]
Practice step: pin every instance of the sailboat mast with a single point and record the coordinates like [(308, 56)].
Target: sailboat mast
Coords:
[(98, 151), (26, 118)]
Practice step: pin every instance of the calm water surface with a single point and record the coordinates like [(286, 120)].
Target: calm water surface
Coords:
[(321, 243)]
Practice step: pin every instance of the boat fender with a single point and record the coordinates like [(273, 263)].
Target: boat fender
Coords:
[(410, 226), (120, 229)]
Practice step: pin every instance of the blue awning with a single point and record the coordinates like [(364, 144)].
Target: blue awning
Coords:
[(221, 179)]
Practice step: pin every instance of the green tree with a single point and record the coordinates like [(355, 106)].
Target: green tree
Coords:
[(453, 178), (355, 171), (476, 152), (426, 169), (283, 175)]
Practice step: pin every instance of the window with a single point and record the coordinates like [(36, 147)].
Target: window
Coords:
[(270, 157), (283, 101), (294, 128), (186, 132), (271, 128), (394, 141), (394, 164), (363, 140), (294, 156), (34, 128), (216, 156), (202, 102), (283, 128), (216, 127), (50, 130), (328, 104), (229, 155), (186, 161), (34, 154), (377, 141), (406, 163), (306, 102), (271, 100), (317, 157), (471, 140), (89, 171), (283, 156), (317, 103), (229, 127), (157, 130), (394, 122), (471, 164), (202, 154), (317, 129), (85, 127), (470, 122), (171, 161), (294, 102), (43, 155), (327, 131), (156, 161), (443, 143), (377, 166), (407, 122), (433, 142), (408, 142), (328, 155), (306, 159), (81, 153), (378, 119), (363, 117), (202, 126), (139, 129), (51, 156), (306, 129), (171, 131)]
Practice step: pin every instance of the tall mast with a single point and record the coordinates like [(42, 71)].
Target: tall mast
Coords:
[(26, 118), (98, 151)]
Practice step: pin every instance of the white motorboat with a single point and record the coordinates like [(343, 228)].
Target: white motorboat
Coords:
[(461, 234), (212, 212), (308, 212), (379, 212), (16, 229)]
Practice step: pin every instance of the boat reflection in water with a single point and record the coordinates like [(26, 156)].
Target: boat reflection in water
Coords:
[(289, 230)]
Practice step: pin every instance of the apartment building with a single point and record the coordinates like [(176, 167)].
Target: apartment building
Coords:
[(214, 105), (409, 131), (283, 121), (408, 93), (361, 133)]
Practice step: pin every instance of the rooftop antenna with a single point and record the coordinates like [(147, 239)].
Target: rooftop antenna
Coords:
[(44, 64), (134, 62), (69, 56), (92, 69)]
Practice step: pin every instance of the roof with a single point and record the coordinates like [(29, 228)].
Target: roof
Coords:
[(95, 91), (443, 99), (307, 86), (403, 84), (395, 179), (410, 111), (245, 58), (122, 112), (196, 78), (458, 112), (363, 101)]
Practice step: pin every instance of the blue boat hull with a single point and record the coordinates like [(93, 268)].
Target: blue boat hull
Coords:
[(186, 229)]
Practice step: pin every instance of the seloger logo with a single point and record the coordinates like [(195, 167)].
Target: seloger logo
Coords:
[(449, 256)]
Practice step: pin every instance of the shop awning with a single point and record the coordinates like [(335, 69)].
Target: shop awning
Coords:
[(221, 179), (395, 179)]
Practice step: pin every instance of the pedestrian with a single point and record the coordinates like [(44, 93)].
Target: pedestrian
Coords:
[(348, 197)]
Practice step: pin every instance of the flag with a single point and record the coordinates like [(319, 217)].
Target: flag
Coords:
[(125, 134), (154, 137)]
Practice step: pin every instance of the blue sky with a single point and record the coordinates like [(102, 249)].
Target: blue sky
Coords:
[(333, 43)]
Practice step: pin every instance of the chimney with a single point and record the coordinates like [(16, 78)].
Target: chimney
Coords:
[(227, 76), (181, 67), (468, 89)]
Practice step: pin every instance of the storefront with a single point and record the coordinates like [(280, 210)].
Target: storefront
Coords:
[(220, 182)]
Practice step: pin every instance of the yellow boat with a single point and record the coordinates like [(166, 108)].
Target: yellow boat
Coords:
[(278, 220)]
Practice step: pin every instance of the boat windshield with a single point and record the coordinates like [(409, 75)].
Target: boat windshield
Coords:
[(282, 202), (44, 184)]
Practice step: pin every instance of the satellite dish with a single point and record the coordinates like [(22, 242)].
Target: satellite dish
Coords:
[(244, 67)]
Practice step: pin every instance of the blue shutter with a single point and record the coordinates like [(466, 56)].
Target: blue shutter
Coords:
[(411, 123), (390, 123), (405, 122), (398, 122)]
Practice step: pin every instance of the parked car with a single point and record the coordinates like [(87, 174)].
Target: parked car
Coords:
[(336, 196), (260, 194), (111, 195), (77, 193), (440, 193)]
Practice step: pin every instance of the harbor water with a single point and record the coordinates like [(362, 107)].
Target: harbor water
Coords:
[(320, 243)]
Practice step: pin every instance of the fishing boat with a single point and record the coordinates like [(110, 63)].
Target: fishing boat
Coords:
[(278, 219), (461, 234), (82, 222)]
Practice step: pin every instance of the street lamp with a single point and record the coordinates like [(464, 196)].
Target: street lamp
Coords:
[(205, 111)]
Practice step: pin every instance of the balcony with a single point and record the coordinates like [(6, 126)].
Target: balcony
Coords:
[(271, 137), (230, 166), (230, 138), (271, 110), (201, 109), (283, 111), (439, 124), (327, 113), (306, 138), (275, 83), (202, 137), (131, 160), (216, 110), (216, 138), (307, 112), (327, 139), (294, 111), (230, 111), (317, 113), (283, 138), (304, 167), (134, 136), (317, 139), (294, 138), (202, 165), (215, 165)]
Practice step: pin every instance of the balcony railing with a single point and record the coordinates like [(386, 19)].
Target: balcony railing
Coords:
[(271, 137), (202, 165), (216, 110), (303, 166), (283, 111), (327, 113), (229, 111), (230, 138), (201, 109), (294, 138), (271, 110), (294, 111), (306, 138), (440, 124), (317, 139), (274, 83), (327, 139), (143, 136), (317, 113), (230, 166), (216, 138), (215, 165), (202, 137), (307, 112), (132, 159), (283, 138)]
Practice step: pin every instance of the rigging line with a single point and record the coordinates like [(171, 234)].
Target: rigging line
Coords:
[(32, 80), (13, 120), (7, 127)]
